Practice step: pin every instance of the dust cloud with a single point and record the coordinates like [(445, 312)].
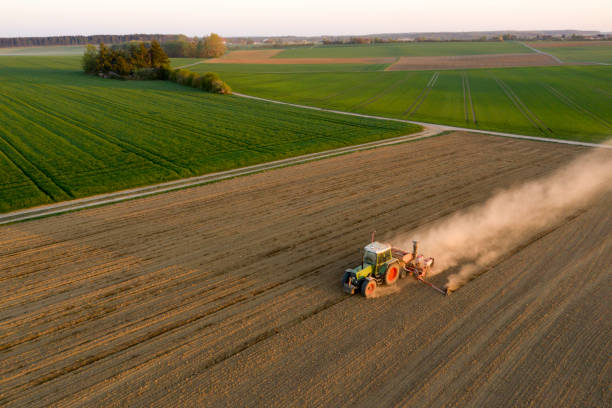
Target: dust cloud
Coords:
[(473, 239)]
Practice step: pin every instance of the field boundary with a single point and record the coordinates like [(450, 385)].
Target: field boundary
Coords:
[(543, 53)]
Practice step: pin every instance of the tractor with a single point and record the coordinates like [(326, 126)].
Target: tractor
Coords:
[(384, 264)]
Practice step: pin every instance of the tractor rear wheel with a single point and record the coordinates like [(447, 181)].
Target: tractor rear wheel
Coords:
[(368, 286), (392, 274)]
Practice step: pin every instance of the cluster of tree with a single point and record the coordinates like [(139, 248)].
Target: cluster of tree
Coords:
[(82, 40), (209, 82), (139, 61), (136, 61), (212, 46)]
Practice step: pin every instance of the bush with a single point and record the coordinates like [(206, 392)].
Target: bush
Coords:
[(220, 87), (180, 76), (209, 82), (185, 77), (208, 79), (197, 81), (163, 73), (146, 73)]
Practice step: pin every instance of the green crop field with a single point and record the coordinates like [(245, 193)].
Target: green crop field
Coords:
[(48, 51), (404, 50), (64, 134), (600, 53), (284, 68), (569, 102)]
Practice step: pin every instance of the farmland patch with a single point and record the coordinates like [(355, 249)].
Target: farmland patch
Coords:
[(471, 61), (71, 135)]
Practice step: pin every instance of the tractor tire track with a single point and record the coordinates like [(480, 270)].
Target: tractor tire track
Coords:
[(579, 108), (12, 154), (469, 98), (422, 96), (381, 94), (518, 103), (35, 173), (106, 138), (465, 108)]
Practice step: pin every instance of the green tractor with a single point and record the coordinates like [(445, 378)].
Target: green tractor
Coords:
[(378, 267), (384, 264)]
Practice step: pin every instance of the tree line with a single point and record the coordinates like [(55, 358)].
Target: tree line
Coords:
[(211, 46), (83, 39)]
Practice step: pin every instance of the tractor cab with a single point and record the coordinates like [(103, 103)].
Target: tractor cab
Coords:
[(377, 255), (378, 267)]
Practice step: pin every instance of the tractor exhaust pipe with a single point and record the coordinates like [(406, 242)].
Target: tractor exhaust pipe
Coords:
[(415, 248)]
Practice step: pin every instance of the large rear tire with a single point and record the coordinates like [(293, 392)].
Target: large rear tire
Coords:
[(368, 286), (392, 274)]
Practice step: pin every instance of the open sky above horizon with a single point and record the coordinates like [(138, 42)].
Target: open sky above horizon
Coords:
[(315, 17)]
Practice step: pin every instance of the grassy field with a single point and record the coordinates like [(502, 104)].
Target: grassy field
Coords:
[(404, 50), (286, 68), (601, 53), (64, 134), (558, 102), (49, 51)]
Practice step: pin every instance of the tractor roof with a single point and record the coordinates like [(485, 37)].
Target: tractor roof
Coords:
[(377, 247)]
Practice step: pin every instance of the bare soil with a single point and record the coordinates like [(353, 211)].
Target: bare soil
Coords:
[(471, 61), (229, 294)]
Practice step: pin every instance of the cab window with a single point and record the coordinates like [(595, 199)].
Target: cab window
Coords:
[(384, 257), (369, 258)]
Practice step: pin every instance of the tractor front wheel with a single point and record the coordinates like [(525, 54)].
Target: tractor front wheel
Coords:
[(392, 274), (345, 277), (368, 286)]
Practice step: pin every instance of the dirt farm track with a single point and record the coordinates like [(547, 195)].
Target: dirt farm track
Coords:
[(229, 294)]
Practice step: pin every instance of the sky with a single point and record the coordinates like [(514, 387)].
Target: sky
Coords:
[(303, 18)]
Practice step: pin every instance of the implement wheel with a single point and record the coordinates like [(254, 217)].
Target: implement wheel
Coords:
[(392, 274), (368, 286)]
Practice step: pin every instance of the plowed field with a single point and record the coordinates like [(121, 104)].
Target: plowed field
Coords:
[(229, 294)]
